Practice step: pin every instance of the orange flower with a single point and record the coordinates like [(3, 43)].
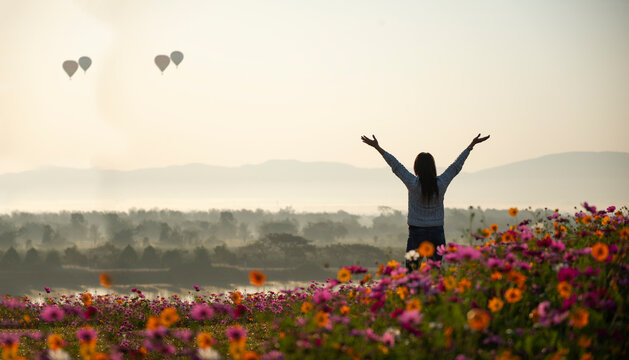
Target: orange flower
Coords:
[(560, 354), (586, 356), (344, 275), (152, 323), (365, 279), (321, 319), (534, 315), (256, 278), (516, 277), (204, 340), (88, 350), (380, 270), (586, 219), (579, 318), (495, 304), (585, 341), (344, 310), (393, 264), (508, 237), (250, 355), (306, 307), (605, 220), (413, 304), (237, 348), (169, 316), (513, 211), (478, 319), (87, 298), (105, 280), (494, 227), (449, 282), (100, 356), (447, 333), (496, 275), (55, 342), (10, 351), (507, 355), (402, 291), (624, 233), (600, 251), (513, 295), (464, 284), (486, 232), (236, 297), (564, 289), (426, 248)]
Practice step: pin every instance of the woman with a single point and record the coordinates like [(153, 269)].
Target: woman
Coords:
[(425, 194)]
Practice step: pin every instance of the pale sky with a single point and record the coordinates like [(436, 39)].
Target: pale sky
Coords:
[(304, 80)]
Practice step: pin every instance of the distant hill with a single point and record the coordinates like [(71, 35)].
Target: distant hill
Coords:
[(559, 180)]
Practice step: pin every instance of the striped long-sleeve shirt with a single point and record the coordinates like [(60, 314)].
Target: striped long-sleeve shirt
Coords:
[(420, 213)]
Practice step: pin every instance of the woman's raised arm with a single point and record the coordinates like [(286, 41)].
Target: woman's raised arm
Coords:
[(398, 169)]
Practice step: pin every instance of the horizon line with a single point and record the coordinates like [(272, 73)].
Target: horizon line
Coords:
[(45, 167)]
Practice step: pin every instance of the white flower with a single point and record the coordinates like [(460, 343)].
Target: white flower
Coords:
[(411, 255), (58, 354), (209, 354)]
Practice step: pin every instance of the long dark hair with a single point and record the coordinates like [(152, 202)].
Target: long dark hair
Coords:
[(427, 173)]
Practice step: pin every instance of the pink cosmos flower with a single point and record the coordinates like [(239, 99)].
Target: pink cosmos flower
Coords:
[(321, 296), (85, 335), (557, 246), (410, 317), (567, 274), (52, 313), (47, 289), (388, 339), (201, 312), (235, 333), (468, 253), (196, 287)]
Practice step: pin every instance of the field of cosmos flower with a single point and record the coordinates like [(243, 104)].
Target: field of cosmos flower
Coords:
[(548, 288)]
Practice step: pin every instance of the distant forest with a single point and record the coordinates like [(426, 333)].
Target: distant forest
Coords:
[(244, 238)]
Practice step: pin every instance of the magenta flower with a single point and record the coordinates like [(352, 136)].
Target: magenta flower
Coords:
[(47, 289), (388, 339), (86, 335), (201, 312), (468, 253), (410, 317), (321, 296), (196, 287), (52, 313), (567, 274), (8, 340), (184, 335), (235, 333)]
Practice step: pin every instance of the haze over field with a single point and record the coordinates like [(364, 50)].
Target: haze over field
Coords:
[(302, 80), (555, 181)]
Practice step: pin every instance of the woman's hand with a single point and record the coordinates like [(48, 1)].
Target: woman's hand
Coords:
[(370, 142), (477, 140)]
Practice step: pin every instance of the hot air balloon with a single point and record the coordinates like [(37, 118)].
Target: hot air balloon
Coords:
[(162, 62), (70, 67), (176, 57), (85, 63)]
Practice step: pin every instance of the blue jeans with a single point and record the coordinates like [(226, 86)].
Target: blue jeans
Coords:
[(417, 235)]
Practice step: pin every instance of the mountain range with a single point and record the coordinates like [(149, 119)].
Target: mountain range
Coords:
[(561, 180)]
